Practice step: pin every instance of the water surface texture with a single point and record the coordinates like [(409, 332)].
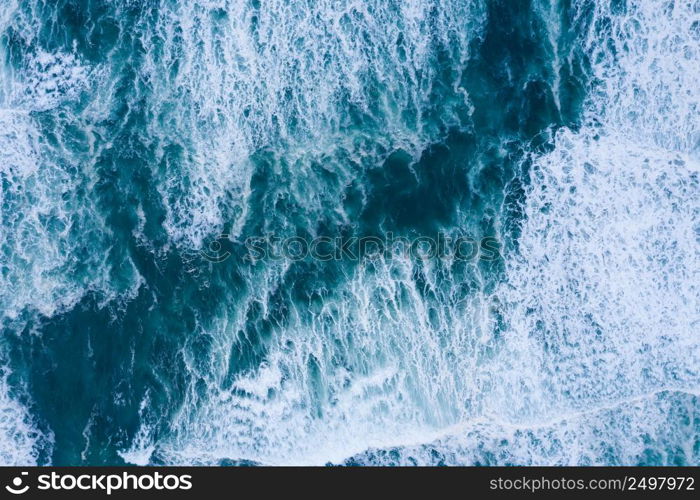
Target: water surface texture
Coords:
[(145, 143)]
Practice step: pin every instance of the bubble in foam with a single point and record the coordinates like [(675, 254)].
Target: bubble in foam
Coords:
[(50, 78)]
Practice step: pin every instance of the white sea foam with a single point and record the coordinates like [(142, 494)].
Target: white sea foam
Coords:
[(48, 219), (55, 243), (586, 354), (142, 446), (655, 427), (231, 78), (601, 299), (20, 441), (34, 221)]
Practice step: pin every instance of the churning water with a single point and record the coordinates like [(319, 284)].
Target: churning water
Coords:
[(563, 135)]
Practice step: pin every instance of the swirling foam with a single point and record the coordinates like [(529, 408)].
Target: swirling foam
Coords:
[(305, 81), (21, 443), (51, 233), (56, 241), (586, 354)]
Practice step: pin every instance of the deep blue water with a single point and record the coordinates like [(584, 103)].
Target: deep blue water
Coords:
[(362, 232)]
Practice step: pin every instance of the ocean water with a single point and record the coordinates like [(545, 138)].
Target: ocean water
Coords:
[(144, 144)]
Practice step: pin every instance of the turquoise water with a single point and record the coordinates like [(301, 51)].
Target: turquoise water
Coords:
[(150, 149)]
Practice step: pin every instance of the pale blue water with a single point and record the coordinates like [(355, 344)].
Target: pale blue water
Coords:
[(559, 139)]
